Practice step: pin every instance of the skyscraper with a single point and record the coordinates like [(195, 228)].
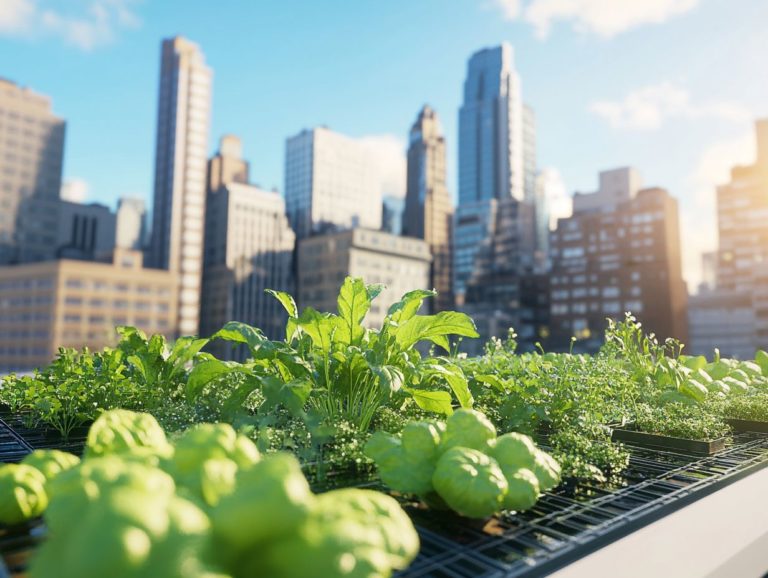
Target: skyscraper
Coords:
[(248, 248), (733, 315), (491, 119), (228, 165), (31, 157), (180, 172), (428, 208), (618, 252), (330, 183), (497, 155)]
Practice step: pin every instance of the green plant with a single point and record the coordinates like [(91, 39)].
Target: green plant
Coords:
[(120, 513), (333, 366), (461, 464), (22, 493), (680, 420), (51, 463)]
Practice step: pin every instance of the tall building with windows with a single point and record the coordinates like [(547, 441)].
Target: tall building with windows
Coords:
[(330, 183), (497, 197), (72, 303), (325, 260), (227, 165), (249, 247), (31, 159), (428, 207), (731, 309), (491, 129), (180, 172), (618, 252)]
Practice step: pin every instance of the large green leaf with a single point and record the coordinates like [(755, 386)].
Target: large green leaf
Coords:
[(353, 304), (455, 378), (435, 328), (491, 380), (320, 327), (184, 350), (390, 378), (761, 358), (285, 300), (238, 332), (434, 401), (374, 290), (293, 394), (206, 372), (409, 304)]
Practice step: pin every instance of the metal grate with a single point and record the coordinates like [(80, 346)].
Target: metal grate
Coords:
[(43, 438), (13, 448)]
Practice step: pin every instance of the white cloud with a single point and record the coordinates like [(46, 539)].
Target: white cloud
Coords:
[(510, 9), (388, 157), (85, 24), (604, 18), (74, 190), (647, 108), (698, 219)]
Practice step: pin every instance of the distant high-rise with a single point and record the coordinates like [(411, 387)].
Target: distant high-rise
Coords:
[(618, 252), (131, 223), (31, 157), (491, 129), (733, 315), (428, 207), (180, 172), (401, 264), (330, 183), (228, 165), (248, 248), (497, 155)]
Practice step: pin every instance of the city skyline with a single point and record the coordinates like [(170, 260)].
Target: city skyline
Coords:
[(662, 114)]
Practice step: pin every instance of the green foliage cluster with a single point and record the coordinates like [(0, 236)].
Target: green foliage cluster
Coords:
[(207, 505)]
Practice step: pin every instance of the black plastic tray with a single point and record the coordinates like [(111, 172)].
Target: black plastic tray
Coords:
[(748, 425), (631, 436)]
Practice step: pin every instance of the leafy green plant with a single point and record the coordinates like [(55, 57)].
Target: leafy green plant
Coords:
[(693, 422), (462, 465), (330, 365)]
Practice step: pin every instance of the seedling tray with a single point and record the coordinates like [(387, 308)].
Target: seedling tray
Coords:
[(629, 435), (748, 425)]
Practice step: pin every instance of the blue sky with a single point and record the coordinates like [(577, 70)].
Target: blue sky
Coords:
[(669, 86)]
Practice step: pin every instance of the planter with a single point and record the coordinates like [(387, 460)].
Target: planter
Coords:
[(632, 436), (748, 425)]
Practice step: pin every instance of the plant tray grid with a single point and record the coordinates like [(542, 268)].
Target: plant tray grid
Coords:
[(564, 526)]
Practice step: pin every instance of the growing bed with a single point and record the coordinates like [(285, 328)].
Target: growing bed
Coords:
[(565, 525), (552, 456)]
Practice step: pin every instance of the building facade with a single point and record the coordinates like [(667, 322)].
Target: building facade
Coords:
[(506, 289), (330, 183), (735, 287), (227, 165), (608, 259), (249, 248), (66, 303), (31, 160), (491, 129), (497, 154), (180, 173), (402, 264), (428, 206)]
